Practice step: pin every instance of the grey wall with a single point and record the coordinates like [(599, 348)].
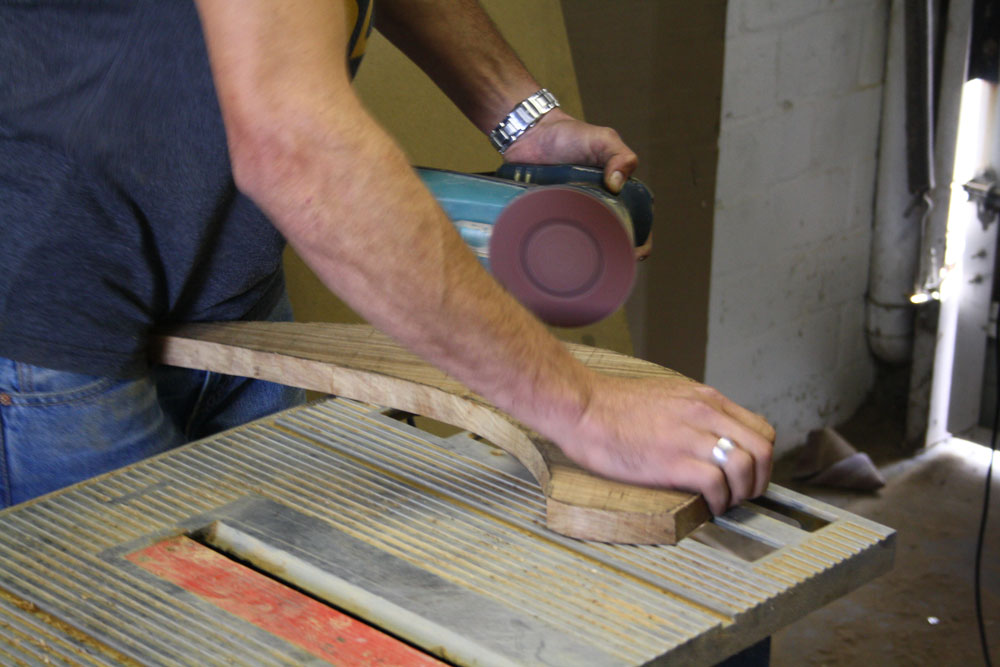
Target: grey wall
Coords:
[(793, 208)]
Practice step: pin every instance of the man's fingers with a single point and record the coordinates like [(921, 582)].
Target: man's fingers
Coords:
[(618, 159), (643, 251), (761, 452), (757, 437), (710, 482), (755, 452), (752, 431), (739, 467), (619, 164), (762, 475), (711, 411), (615, 181)]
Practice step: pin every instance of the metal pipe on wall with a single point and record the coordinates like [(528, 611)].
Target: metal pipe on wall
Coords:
[(930, 373), (904, 178)]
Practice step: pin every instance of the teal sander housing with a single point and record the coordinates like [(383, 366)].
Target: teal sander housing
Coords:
[(558, 241)]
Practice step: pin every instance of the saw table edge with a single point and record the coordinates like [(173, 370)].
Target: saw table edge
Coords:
[(355, 361)]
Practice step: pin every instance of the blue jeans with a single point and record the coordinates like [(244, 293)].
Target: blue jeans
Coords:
[(58, 428)]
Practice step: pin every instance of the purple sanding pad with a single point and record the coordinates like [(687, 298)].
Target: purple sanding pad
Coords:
[(563, 253)]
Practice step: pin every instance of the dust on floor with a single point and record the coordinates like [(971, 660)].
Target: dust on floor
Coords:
[(922, 612)]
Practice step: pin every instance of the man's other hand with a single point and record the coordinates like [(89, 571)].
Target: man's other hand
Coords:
[(558, 138), (662, 432)]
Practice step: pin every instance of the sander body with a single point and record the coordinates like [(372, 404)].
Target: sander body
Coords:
[(558, 241)]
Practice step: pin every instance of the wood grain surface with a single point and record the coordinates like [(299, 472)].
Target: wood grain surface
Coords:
[(356, 361)]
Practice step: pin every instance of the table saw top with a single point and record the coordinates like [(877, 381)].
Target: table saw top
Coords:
[(438, 541)]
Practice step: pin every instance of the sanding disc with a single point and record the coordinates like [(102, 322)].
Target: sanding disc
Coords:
[(563, 253)]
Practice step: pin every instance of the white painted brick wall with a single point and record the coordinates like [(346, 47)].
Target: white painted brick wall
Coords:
[(797, 156)]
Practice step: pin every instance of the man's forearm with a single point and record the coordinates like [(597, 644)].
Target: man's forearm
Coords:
[(456, 43)]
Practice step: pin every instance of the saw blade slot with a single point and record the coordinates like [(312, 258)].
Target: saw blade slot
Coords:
[(789, 513), (412, 603), (730, 542)]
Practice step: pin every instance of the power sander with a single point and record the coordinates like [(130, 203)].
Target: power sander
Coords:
[(558, 241)]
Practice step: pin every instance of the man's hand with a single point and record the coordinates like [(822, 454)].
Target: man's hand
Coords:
[(661, 432), (558, 138)]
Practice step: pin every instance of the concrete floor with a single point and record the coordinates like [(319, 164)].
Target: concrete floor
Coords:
[(922, 612)]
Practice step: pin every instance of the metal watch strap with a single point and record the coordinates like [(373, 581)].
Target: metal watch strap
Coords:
[(523, 116)]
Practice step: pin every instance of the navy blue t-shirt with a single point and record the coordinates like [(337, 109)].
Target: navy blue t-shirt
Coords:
[(118, 211)]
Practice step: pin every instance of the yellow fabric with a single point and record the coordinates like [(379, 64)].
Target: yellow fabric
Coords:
[(352, 13)]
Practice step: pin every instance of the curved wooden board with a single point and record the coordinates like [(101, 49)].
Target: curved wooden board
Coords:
[(356, 361)]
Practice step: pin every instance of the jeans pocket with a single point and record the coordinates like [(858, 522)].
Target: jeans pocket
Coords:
[(36, 385), (71, 426)]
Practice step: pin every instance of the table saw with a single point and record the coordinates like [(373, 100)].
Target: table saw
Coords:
[(336, 533)]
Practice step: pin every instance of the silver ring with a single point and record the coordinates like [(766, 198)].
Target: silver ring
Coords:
[(720, 453)]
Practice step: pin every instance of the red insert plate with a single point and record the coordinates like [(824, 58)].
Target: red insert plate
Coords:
[(321, 630)]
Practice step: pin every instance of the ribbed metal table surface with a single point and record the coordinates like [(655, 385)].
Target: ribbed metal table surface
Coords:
[(438, 541)]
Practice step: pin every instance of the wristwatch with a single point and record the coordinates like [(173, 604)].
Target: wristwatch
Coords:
[(521, 118)]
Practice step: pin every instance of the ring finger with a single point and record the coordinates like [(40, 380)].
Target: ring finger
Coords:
[(737, 465)]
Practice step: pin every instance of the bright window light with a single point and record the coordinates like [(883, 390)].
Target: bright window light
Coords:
[(972, 128), (971, 145)]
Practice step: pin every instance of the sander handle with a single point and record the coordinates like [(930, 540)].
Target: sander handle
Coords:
[(634, 196)]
